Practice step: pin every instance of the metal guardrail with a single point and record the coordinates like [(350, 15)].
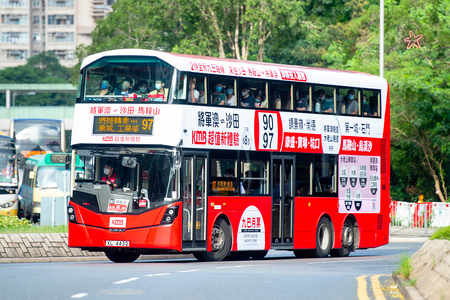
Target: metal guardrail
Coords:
[(418, 219)]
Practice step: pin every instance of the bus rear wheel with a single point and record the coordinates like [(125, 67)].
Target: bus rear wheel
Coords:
[(122, 256), (220, 243), (348, 240), (323, 238)]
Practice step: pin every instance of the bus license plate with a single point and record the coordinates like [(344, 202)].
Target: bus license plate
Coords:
[(118, 243)]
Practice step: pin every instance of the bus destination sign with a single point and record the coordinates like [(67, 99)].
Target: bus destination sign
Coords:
[(123, 125)]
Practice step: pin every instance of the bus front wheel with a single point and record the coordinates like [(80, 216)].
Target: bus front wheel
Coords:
[(323, 238), (122, 256), (220, 243)]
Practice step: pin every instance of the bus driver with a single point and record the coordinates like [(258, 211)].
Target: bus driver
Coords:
[(110, 177)]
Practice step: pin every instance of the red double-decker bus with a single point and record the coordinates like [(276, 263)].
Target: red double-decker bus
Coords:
[(225, 158)]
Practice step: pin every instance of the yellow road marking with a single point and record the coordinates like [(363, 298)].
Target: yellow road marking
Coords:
[(376, 287), (362, 288)]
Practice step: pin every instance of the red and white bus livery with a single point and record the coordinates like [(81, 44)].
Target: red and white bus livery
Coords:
[(232, 158)]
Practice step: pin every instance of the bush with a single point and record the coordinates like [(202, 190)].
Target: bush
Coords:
[(13, 221), (441, 234), (404, 266)]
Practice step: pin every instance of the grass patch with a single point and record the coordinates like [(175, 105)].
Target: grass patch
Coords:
[(404, 266), (441, 234), (35, 229), (12, 224)]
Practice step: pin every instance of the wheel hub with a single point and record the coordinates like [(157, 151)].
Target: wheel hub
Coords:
[(217, 239)]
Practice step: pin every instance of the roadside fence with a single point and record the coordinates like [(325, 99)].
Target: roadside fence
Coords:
[(418, 219)]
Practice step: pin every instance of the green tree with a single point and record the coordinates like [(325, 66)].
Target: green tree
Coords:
[(42, 68)]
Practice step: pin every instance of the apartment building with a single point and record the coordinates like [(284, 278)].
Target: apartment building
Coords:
[(29, 27)]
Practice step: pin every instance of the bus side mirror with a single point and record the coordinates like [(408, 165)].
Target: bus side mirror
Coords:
[(67, 162), (129, 162)]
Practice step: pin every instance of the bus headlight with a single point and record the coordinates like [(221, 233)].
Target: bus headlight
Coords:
[(8, 204), (170, 215), (71, 214)]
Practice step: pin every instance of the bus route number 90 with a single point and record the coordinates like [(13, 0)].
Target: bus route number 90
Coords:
[(268, 131)]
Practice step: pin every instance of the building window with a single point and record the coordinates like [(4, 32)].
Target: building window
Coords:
[(36, 19), (15, 19), (60, 3), (60, 20), (36, 3), (61, 37), (17, 54), (14, 37), (14, 3), (64, 54)]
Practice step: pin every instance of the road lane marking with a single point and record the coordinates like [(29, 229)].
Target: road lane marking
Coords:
[(160, 274), (126, 280), (362, 288), (376, 287), (342, 261), (187, 271), (78, 296), (240, 266)]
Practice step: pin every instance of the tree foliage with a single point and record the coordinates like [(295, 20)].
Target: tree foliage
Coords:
[(42, 68)]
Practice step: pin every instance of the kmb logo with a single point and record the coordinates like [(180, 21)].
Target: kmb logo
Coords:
[(115, 222), (198, 137), (107, 139)]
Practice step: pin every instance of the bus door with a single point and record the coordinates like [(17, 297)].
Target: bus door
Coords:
[(282, 200), (194, 170)]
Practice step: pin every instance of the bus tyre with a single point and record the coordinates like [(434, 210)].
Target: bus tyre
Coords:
[(220, 243), (122, 256), (323, 238), (347, 241)]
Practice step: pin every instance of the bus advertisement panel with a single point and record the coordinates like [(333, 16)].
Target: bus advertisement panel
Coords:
[(233, 158)]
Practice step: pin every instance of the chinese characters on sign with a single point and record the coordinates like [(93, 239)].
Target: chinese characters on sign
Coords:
[(123, 125), (220, 137)]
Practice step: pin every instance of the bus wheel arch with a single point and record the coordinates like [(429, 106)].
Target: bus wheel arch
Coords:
[(220, 239), (324, 237)]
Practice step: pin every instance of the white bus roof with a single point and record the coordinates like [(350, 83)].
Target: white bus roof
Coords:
[(251, 69)]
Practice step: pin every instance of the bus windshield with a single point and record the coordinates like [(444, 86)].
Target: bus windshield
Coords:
[(47, 176), (122, 78), (151, 174), (8, 172), (37, 136)]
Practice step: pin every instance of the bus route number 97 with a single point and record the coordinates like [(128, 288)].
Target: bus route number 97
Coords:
[(268, 131)]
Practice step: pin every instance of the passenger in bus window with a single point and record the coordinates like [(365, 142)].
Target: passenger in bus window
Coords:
[(260, 100), (365, 106), (351, 106), (110, 177), (160, 94), (301, 100), (105, 88), (323, 104), (217, 95), (143, 89), (201, 93), (247, 100), (193, 93), (231, 101), (126, 88)]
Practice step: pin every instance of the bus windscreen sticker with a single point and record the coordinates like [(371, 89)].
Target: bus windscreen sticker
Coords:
[(356, 194), (118, 205), (123, 125)]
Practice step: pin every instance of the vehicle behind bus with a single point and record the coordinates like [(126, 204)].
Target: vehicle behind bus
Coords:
[(35, 137), (40, 180), (9, 203)]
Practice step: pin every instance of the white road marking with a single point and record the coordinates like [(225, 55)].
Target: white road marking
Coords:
[(240, 266), (342, 261), (187, 271), (126, 280), (80, 295), (160, 274)]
